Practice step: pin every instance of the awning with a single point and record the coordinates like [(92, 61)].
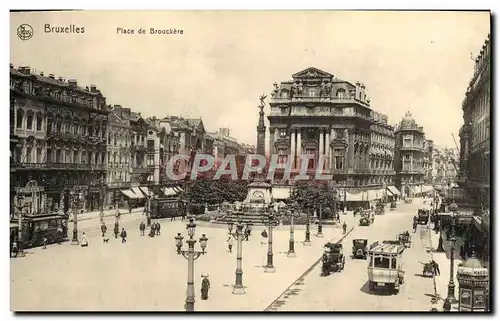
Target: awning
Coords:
[(170, 191), (375, 194), (129, 193), (393, 190), (144, 189), (412, 190), (355, 197), (281, 193), (137, 192)]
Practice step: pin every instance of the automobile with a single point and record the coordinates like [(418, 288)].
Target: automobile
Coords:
[(385, 267), (364, 221), (423, 215), (333, 259), (359, 248)]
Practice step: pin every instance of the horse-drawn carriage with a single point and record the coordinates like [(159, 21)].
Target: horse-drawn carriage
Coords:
[(333, 259), (359, 248), (427, 270), (364, 221), (405, 239)]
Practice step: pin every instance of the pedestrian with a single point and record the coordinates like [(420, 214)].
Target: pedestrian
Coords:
[(205, 286), (230, 243), (435, 266), (247, 234), (152, 232), (84, 242), (104, 229), (263, 235), (59, 234), (44, 242), (434, 304), (142, 228), (116, 230), (446, 305), (130, 209), (157, 229), (123, 235), (172, 218), (153, 228)]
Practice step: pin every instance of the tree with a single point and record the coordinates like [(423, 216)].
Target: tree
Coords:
[(213, 192), (311, 195)]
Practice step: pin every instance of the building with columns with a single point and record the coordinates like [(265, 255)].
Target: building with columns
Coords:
[(61, 131), (409, 158), (318, 114)]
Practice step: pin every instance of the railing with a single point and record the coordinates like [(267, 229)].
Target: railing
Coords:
[(141, 170), (71, 166), (285, 100), (119, 185)]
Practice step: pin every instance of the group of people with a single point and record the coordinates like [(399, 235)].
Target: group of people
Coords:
[(154, 229), (116, 232)]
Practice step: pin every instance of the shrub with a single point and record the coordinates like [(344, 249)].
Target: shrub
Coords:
[(209, 217)]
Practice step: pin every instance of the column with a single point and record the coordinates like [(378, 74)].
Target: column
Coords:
[(272, 138), (327, 150), (321, 142), (277, 134), (299, 147), (350, 149), (292, 147)]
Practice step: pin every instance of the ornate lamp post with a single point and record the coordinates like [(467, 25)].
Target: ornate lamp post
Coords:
[(271, 219), (76, 197), (191, 255), (239, 234), (451, 283), (21, 206), (102, 197), (293, 212), (473, 283), (307, 241)]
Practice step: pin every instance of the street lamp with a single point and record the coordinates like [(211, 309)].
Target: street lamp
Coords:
[(293, 212), (76, 196), (102, 197), (238, 287), (191, 255), (320, 223), (451, 283), (271, 219), (307, 241)]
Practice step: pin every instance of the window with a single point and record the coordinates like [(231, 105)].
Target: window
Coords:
[(75, 129), (114, 139), (282, 132), (19, 120), (75, 156), (48, 156), (282, 156), (39, 155), (340, 93), (67, 157), (312, 92), (38, 121), (84, 158), (339, 159), (151, 160), (151, 144), (339, 133), (284, 94), (312, 163), (381, 262), (28, 155), (58, 126)]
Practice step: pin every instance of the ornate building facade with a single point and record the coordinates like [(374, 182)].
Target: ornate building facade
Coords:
[(318, 114), (61, 130), (410, 155), (475, 170)]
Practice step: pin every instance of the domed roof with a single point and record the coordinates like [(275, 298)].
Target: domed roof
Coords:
[(407, 121)]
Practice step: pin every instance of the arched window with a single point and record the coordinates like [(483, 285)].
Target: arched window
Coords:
[(284, 94), (39, 120), (340, 93), (29, 120), (19, 118)]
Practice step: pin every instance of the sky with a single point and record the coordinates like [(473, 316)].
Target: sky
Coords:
[(223, 61)]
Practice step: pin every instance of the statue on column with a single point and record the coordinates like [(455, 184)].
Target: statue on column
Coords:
[(262, 103)]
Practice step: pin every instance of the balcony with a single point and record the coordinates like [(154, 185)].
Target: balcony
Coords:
[(411, 148), (316, 99), (138, 148), (142, 170), (57, 166), (119, 185)]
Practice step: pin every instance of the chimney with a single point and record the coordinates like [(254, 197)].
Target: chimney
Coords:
[(358, 90), (93, 88), (72, 83), (51, 76), (60, 79), (41, 73), (363, 93)]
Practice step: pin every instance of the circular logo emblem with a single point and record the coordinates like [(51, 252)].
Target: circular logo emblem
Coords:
[(24, 32)]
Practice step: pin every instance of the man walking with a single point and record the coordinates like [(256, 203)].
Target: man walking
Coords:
[(104, 228), (142, 228), (123, 235), (435, 266), (157, 228), (116, 230)]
